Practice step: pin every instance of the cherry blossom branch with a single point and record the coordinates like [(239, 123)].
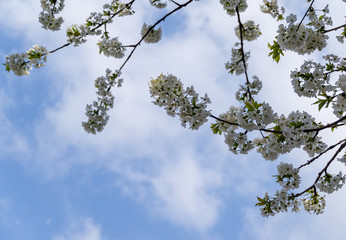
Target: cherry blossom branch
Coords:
[(99, 25), (319, 155), (151, 28), (242, 52), (342, 146), (305, 15), (334, 29), (330, 125), (313, 186)]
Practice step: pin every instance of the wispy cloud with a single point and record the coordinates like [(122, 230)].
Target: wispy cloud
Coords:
[(82, 229)]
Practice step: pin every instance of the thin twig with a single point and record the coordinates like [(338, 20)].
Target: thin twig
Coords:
[(98, 25), (319, 155), (151, 28), (333, 29), (242, 52), (305, 15), (313, 186)]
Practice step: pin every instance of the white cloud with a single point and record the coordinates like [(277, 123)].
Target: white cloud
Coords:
[(84, 229), (186, 194)]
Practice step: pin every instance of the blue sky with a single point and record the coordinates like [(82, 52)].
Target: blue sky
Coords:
[(145, 177)]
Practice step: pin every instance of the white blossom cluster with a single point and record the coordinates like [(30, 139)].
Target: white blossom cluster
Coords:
[(231, 117), (272, 8), (231, 5), (294, 126), (313, 80), (281, 202), (169, 93), (114, 7), (270, 147), (250, 31), (314, 146), (253, 88), (310, 80), (339, 104), (21, 63), (152, 36), (303, 40), (319, 22), (109, 11), (288, 177), (236, 64), (315, 204), (37, 56), (255, 116), (158, 3), (331, 183), (97, 112), (290, 134), (238, 142), (76, 34), (111, 47), (47, 16)]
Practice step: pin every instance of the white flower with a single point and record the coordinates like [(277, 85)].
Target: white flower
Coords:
[(153, 36), (97, 112), (231, 5), (21, 63), (111, 47), (250, 31), (50, 22), (158, 3), (288, 177), (169, 93), (236, 64), (272, 8), (47, 16)]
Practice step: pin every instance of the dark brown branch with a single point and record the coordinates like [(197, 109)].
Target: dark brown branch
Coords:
[(334, 124), (334, 29), (305, 15), (236, 124), (98, 25), (330, 161), (330, 125), (150, 29), (313, 186), (319, 155), (243, 54), (224, 121)]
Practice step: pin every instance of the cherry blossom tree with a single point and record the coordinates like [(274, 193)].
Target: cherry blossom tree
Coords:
[(250, 125)]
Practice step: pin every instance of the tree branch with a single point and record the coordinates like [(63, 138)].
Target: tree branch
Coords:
[(334, 29), (319, 155), (242, 52), (305, 15), (99, 25), (151, 28)]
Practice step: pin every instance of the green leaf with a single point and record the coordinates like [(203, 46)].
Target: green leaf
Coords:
[(215, 128), (275, 51), (249, 106)]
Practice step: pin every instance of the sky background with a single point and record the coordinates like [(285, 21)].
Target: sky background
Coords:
[(145, 177)]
